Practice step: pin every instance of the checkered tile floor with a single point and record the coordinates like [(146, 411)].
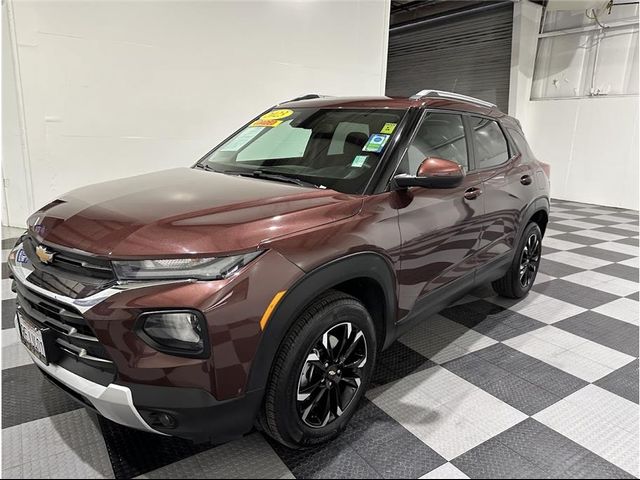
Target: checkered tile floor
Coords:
[(543, 387)]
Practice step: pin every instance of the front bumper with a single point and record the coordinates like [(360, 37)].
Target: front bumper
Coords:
[(207, 398), (114, 402)]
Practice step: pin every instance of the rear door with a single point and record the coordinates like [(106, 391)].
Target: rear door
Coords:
[(508, 186), (440, 228)]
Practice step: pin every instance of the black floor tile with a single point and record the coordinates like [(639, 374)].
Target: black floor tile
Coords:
[(554, 453), (385, 444), (532, 370), (556, 269), (8, 313), (616, 231), (520, 394), (133, 452), (563, 228), (491, 320), (634, 296), (28, 396), (607, 331), (492, 459), (5, 270), (623, 382), (620, 271), (629, 241), (397, 362), (475, 369), (601, 221), (602, 254), (8, 243), (579, 239), (576, 294)]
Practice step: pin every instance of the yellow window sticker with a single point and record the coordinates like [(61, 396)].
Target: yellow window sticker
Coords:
[(277, 114), (266, 123), (388, 128)]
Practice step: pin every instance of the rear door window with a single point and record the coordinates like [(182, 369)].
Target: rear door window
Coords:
[(490, 144)]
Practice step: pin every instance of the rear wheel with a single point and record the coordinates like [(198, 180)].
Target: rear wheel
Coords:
[(523, 270), (320, 373)]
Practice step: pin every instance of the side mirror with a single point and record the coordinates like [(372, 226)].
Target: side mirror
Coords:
[(433, 173)]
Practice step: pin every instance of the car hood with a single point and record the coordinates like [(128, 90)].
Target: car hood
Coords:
[(184, 211)]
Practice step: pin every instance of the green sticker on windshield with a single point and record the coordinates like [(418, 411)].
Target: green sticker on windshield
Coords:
[(359, 160), (376, 143)]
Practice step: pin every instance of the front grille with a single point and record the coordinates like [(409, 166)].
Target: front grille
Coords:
[(80, 266), (74, 338)]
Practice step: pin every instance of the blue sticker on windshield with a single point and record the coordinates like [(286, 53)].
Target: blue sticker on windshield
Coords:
[(376, 143)]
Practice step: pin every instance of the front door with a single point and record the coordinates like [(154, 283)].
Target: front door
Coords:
[(440, 228)]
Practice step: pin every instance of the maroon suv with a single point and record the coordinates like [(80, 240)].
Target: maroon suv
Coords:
[(258, 286)]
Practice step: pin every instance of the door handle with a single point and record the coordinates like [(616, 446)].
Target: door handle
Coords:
[(472, 193), (526, 180)]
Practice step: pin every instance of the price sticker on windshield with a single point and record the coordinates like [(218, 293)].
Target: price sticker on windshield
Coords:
[(376, 143), (266, 123), (277, 114)]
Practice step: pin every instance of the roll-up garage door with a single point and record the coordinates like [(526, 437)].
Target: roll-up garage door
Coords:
[(468, 53)]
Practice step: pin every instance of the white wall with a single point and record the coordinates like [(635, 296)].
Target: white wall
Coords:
[(113, 89), (590, 143)]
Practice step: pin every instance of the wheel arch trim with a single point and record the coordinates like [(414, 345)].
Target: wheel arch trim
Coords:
[(366, 264)]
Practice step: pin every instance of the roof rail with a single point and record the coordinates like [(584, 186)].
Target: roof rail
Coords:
[(452, 95), (308, 96)]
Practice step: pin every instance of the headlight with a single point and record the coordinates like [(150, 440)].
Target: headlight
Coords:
[(196, 268), (174, 332)]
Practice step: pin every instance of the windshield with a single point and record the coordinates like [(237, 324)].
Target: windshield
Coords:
[(326, 148)]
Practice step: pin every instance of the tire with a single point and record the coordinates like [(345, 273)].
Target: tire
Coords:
[(297, 378), (527, 255)]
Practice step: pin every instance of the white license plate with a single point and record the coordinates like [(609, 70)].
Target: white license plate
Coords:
[(32, 338)]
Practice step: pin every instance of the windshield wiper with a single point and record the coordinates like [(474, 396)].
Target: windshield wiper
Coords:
[(276, 176), (206, 167)]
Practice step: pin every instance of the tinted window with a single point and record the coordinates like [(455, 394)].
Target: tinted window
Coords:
[(440, 135), (284, 142), (331, 148), (521, 144), (490, 144)]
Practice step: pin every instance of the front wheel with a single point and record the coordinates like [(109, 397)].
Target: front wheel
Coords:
[(320, 373), (523, 270)]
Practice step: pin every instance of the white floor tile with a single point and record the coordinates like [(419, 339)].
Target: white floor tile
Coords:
[(623, 309), (451, 420), (550, 232), (615, 218), (632, 227), (445, 471), (229, 461), (571, 353), (560, 244), (598, 235), (577, 260), (546, 309), (631, 262), (612, 442), (603, 282), (14, 354), (619, 247), (6, 289), (585, 225)]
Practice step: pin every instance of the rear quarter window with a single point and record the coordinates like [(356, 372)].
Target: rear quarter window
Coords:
[(521, 144)]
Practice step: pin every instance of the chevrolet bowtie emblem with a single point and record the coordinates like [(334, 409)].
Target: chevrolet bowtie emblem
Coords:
[(44, 255)]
